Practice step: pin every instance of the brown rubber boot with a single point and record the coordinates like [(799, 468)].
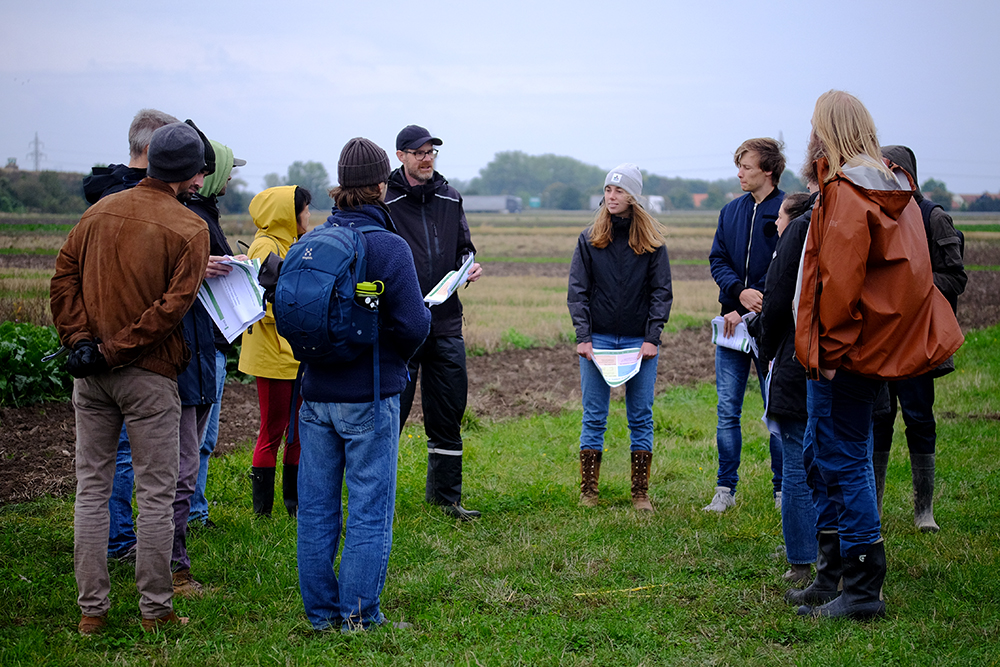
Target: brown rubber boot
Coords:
[(640, 481), (590, 473)]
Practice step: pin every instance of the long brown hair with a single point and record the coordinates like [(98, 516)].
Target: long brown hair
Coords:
[(645, 233)]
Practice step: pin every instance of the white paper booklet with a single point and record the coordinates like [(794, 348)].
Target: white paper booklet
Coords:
[(236, 300), (740, 340), (618, 366), (451, 282)]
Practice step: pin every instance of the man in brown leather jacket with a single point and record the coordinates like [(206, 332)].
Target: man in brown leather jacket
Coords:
[(124, 279)]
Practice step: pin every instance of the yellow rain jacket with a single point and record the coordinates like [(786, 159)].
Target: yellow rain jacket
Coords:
[(265, 353)]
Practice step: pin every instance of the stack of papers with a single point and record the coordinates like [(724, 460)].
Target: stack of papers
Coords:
[(740, 340), (618, 366), (451, 282), (235, 300)]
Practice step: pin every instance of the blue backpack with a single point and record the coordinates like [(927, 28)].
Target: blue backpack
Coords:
[(323, 306)]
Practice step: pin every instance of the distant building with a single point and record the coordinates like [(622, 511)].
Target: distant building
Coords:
[(699, 198), (11, 164), (652, 203), (491, 204)]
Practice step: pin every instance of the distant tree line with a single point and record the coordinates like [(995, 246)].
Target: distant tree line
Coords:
[(566, 183), (559, 182)]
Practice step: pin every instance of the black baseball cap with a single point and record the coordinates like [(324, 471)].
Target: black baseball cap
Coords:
[(414, 136)]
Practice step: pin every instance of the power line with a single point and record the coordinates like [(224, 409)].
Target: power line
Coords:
[(36, 154)]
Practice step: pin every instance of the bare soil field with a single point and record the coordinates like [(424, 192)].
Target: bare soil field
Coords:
[(37, 448)]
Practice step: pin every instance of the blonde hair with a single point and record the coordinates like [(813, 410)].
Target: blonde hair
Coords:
[(847, 132), (645, 233)]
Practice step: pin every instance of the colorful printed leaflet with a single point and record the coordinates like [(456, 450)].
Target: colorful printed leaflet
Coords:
[(235, 300), (451, 282), (618, 366)]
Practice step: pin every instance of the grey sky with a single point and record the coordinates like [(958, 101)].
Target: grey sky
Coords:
[(673, 87)]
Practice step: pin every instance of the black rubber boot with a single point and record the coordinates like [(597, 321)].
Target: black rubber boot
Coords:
[(862, 596), (829, 568), (922, 469), (262, 486), (880, 461), (290, 489)]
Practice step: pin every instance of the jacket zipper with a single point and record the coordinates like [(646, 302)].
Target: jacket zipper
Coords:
[(746, 267)]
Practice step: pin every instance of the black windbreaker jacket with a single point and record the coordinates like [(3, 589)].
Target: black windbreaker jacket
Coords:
[(614, 291), (431, 220)]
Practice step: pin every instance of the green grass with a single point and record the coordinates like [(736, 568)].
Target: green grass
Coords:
[(540, 581), (29, 251)]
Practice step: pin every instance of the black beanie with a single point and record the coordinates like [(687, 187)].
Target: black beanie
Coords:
[(362, 163), (176, 153)]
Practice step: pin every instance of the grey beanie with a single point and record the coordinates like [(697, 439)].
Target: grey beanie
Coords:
[(176, 153), (628, 177), (362, 162)]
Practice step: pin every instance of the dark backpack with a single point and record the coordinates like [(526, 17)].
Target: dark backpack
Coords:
[(322, 305)]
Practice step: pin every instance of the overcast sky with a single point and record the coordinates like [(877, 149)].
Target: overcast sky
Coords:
[(674, 87)]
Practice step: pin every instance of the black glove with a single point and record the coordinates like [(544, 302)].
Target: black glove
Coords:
[(267, 277), (86, 360)]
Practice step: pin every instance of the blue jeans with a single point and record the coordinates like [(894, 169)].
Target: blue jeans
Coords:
[(838, 459), (798, 514), (597, 397), (340, 440), (199, 504), (732, 368), (121, 533)]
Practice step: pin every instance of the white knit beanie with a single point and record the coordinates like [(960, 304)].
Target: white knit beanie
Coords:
[(628, 177)]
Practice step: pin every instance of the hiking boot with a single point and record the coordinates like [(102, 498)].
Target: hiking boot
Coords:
[(91, 625), (456, 511), (798, 574), (640, 481), (590, 474), (187, 586), (721, 501), (170, 620)]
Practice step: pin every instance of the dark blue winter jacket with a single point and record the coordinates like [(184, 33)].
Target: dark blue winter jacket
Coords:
[(743, 247), (404, 320)]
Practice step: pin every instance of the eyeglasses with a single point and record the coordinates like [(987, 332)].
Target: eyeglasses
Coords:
[(420, 155)]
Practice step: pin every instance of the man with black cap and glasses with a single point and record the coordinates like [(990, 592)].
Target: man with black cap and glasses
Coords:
[(428, 214), (125, 277)]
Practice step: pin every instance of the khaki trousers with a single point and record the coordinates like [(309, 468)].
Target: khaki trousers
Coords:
[(150, 408)]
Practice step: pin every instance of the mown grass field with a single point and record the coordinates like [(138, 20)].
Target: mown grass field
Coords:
[(539, 580)]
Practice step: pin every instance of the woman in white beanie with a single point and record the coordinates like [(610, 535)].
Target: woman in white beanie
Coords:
[(619, 299)]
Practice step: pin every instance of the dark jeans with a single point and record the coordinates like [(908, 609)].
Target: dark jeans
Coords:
[(444, 385), (916, 398), (838, 459)]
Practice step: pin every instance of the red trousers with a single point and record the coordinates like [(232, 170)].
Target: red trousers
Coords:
[(275, 397)]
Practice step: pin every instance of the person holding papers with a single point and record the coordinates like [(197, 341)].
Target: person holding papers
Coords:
[(428, 214), (619, 298), (282, 216)]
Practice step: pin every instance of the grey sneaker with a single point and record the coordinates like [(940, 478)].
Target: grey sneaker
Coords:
[(721, 501), (777, 500)]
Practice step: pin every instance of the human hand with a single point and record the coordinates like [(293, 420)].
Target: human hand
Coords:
[(649, 350), (752, 300), (828, 373), (730, 320), (475, 273), (586, 350), (86, 360), (216, 268)]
